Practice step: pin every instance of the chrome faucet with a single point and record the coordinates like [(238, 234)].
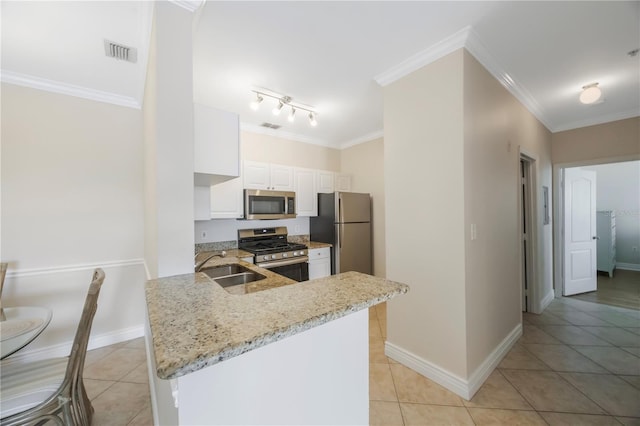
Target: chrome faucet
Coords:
[(198, 265)]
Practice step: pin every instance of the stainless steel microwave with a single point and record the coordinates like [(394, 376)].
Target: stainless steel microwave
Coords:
[(266, 204)]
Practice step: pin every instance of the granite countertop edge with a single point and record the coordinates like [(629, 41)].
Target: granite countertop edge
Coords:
[(272, 337)]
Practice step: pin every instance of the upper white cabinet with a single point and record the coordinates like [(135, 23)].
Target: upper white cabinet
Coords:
[(259, 175), (343, 182), (325, 181), (216, 145), (306, 195), (226, 200)]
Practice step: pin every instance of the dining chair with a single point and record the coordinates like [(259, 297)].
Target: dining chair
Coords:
[(42, 391), (3, 273)]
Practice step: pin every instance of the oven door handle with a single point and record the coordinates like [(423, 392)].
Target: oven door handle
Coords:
[(292, 261)]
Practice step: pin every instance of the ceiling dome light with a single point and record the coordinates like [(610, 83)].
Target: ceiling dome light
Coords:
[(278, 108), (255, 104), (292, 115), (312, 119), (590, 94)]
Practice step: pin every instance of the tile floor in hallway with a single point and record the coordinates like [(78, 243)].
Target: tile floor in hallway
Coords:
[(576, 364)]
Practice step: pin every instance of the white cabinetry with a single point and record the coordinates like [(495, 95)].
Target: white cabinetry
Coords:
[(343, 182), (259, 175), (306, 195), (226, 200), (325, 181), (319, 262), (606, 230), (216, 145)]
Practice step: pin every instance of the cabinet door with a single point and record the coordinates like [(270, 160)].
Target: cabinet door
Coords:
[(256, 175), (216, 141), (281, 177), (305, 188), (325, 181), (343, 182), (319, 268), (226, 200)]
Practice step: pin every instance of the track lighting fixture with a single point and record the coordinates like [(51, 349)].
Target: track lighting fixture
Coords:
[(590, 93), (283, 101)]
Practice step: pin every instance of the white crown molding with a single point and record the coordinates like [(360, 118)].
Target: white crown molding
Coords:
[(425, 57), (363, 139), (597, 120), (38, 83), (253, 128), (190, 5)]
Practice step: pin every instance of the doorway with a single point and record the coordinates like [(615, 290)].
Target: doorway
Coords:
[(526, 230)]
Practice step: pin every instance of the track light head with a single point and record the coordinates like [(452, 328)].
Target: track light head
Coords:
[(312, 119), (292, 115), (255, 104), (278, 108)]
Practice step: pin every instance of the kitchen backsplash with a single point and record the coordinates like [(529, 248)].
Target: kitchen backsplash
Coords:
[(226, 230)]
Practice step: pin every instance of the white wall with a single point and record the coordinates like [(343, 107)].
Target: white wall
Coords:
[(618, 189), (72, 200)]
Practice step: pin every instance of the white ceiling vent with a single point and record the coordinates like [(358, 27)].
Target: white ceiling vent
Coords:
[(120, 51), (270, 125)]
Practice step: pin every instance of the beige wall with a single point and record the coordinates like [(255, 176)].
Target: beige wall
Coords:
[(423, 152), (272, 149), (72, 200), (365, 164), (453, 137), (496, 124), (618, 139)]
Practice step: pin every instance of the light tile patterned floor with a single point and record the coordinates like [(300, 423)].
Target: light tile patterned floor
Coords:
[(576, 364)]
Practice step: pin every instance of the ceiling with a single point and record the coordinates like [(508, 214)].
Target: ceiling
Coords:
[(337, 56)]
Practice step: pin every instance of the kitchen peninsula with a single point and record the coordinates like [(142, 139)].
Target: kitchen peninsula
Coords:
[(278, 351)]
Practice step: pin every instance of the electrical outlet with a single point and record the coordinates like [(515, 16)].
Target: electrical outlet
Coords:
[(204, 234), (634, 248), (474, 232)]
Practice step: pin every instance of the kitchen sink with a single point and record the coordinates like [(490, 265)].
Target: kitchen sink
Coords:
[(224, 270), (240, 278), (233, 274)]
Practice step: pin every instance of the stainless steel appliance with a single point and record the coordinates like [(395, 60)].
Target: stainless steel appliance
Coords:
[(344, 220), (266, 204), (272, 251)]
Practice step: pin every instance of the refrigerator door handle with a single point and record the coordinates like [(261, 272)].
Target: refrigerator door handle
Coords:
[(340, 228)]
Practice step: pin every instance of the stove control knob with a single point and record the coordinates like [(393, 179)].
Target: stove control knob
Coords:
[(285, 255), (273, 256), (295, 253), (265, 257), (301, 252)]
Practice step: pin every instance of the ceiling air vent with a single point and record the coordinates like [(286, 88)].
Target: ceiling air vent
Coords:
[(120, 51), (270, 125)]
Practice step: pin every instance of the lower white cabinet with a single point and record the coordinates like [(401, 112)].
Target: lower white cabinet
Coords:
[(319, 262)]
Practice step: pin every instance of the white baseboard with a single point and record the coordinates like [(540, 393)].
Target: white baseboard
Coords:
[(464, 388), (547, 299), (63, 349), (628, 266)]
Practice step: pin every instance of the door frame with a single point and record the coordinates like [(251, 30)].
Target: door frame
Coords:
[(559, 213), (533, 302)]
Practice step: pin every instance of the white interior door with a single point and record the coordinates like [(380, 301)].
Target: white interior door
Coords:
[(579, 231)]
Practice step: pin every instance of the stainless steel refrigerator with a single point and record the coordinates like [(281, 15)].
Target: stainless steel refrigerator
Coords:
[(344, 220)]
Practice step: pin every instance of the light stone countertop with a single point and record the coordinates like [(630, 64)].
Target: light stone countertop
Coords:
[(316, 245), (196, 323)]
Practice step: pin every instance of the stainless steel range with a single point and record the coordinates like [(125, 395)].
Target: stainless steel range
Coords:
[(272, 251)]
